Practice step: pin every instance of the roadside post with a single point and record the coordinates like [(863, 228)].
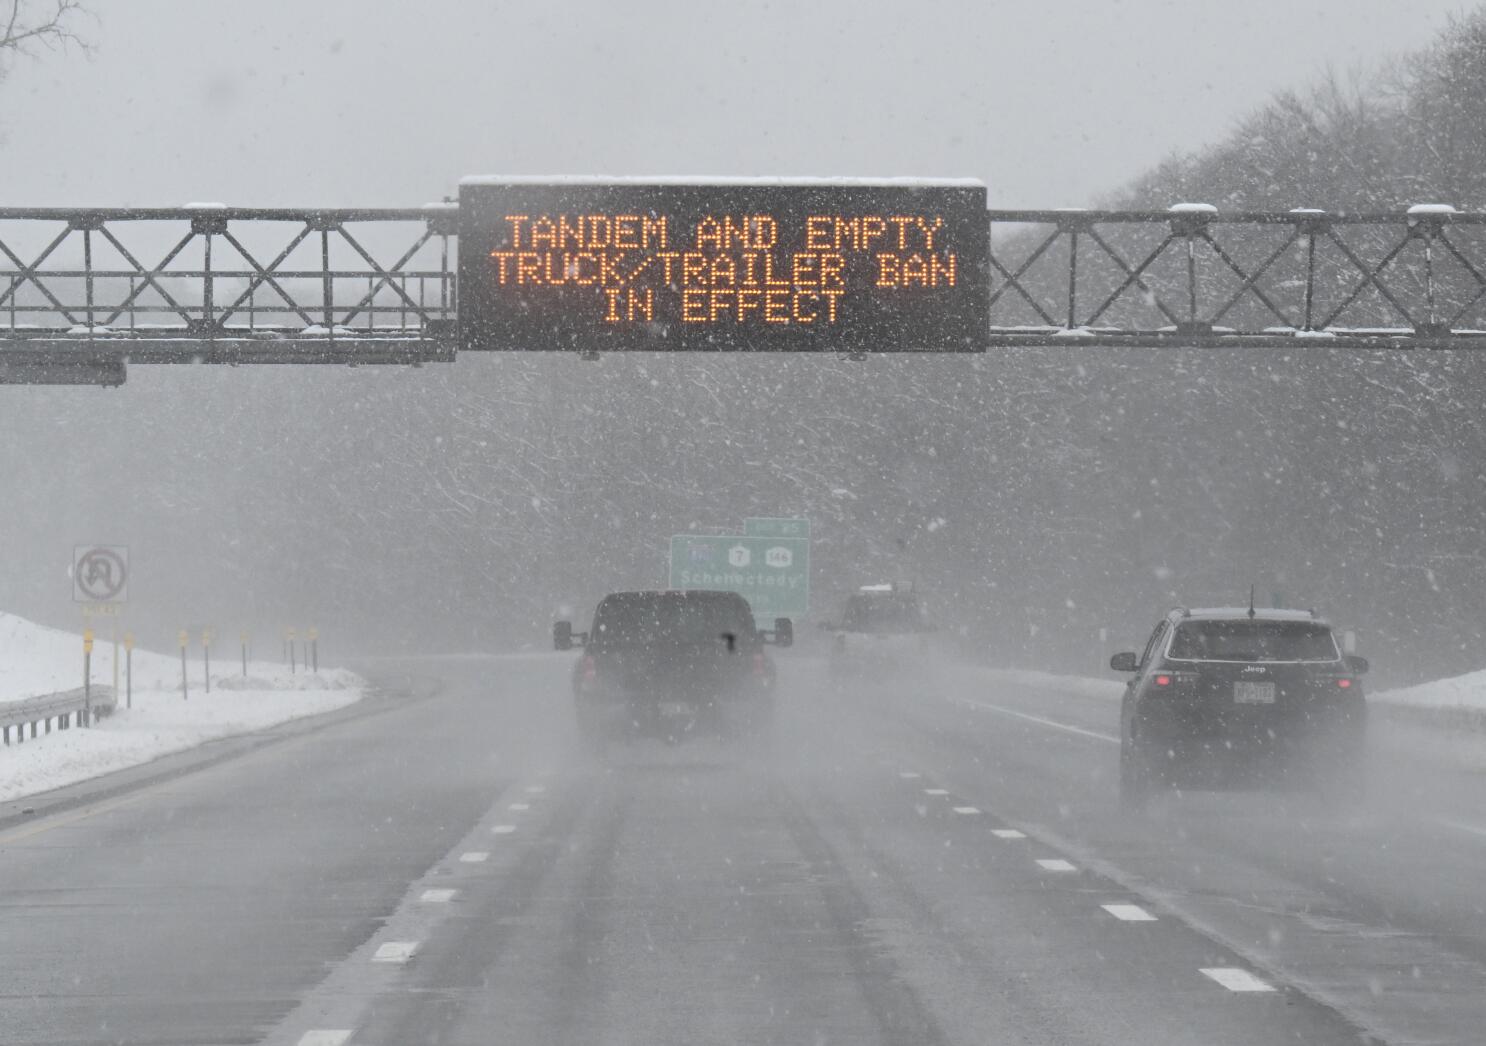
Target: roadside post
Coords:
[(128, 670), (185, 641), (289, 637), (314, 636), (243, 638), (87, 677), (206, 657)]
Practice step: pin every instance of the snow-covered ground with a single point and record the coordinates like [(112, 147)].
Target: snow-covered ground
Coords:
[(37, 660)]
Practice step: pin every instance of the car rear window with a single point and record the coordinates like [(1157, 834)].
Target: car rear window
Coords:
[(881, 614), (1252, 641), (666, 618)]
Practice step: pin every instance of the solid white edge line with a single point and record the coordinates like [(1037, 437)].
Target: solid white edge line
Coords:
[(1038, 719), (437, 896), (395, 951), (1008, 833), (325, 1037), (1236, 979), (1460, 826), (474, 856), (1055, 864), (1129, 913)]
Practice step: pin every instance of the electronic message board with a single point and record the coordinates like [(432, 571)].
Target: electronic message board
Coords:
[(596, 265)]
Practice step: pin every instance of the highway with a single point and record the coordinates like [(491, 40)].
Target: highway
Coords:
[(936, 858)]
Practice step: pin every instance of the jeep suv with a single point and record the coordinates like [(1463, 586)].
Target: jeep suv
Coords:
[(1241, 698)]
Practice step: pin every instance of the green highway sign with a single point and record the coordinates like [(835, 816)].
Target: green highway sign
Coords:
[(772, 573), (775, 527)]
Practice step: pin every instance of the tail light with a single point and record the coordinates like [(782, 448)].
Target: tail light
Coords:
[(1163, 680), (588, 670), (760, 667), (1345, 684)]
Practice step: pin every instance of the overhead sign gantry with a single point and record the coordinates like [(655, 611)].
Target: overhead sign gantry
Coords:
[(588, 265)]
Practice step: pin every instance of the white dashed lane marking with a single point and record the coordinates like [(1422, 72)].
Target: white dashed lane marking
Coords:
[(325, 1037), (1008, 833), (474, 856), (908, 775), (1055, 864), (966, 810), (935, 791), (518, 807), (395, 951), (1130, 913), (437, 896), (1080, 731), (1237, 980), (535, 789), (503, 829)]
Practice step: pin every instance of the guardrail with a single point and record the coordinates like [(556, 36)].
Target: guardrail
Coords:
[(66, 709)]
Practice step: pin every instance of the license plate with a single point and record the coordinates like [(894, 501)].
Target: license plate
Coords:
[(1253, 693)]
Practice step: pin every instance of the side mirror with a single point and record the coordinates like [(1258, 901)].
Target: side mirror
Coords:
[(562, 635), (784, 632), (1356, 665), (1128, 661)]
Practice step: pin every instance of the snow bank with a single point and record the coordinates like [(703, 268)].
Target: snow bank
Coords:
[(1460, 695), (1465, 693), (37, 660)]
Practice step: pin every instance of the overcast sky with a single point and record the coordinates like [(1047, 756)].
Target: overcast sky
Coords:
[(339, 102)]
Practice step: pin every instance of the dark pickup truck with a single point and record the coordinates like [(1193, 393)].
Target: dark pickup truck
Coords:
[(672, 665)]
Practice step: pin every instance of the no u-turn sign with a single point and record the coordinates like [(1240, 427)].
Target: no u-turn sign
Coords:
[(100, 574)]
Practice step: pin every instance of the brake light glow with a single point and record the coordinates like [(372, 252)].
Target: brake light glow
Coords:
[(1163, 680), (589, 670), (760, 665), (1345, 684)]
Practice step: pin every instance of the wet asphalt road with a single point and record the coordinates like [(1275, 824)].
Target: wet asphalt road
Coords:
[(933, 858)]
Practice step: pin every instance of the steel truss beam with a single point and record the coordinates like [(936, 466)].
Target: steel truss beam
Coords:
[(85, 291), (1191, 277)]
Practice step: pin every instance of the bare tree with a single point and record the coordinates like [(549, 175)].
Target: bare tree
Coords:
[(28, 25)]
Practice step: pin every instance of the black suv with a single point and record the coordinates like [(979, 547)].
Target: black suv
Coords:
[(1241, 698), (670, 665)]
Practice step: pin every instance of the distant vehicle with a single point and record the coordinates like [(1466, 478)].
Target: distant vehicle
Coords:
[(1241, 698), (672, 665), (882, 629)]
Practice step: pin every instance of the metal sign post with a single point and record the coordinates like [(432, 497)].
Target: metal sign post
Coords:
[(289, 638), (243, 638), (128, 669), (185, 641), (206, 657), (314, 652), (87, 677)]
